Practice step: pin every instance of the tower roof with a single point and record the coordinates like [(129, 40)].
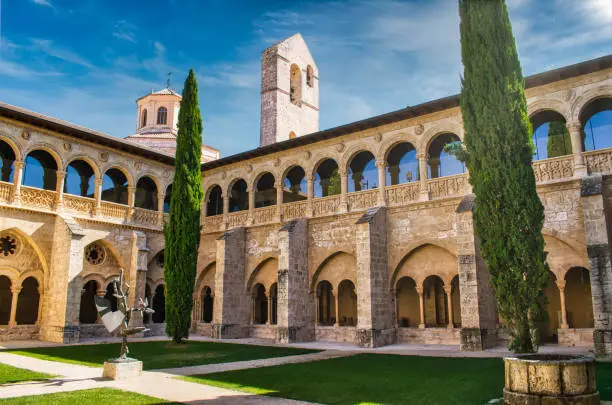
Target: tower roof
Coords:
[(166, 91)]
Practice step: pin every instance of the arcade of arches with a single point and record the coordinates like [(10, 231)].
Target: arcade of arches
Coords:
[(363, 234)]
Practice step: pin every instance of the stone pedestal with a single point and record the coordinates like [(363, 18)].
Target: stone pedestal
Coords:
[(122, 369)]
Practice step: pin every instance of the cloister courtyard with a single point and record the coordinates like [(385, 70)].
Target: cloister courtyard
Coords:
[(250, 371)]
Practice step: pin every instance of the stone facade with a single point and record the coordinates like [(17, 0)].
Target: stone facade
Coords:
[(398, 262)]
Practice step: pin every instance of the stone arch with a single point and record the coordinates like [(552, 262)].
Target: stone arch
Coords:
[(578, 298), (97, 277), (41, 169), (446, 249), (213, 201), (292, 189), (86, 173), (548, 327), (35, 274), (29, 256), (435, 301), (28, 302), (147, 195), (128, 175), (436, 155), (238, 199), (407, 304), (318, 159), (267, 195), (432, 133), (558, 106), (14, 146), (388, 144), (352, 151), (206, 276), (347, 303), (59, 161), (295, 84), (265, 273), (159, 303), (346, 262), (6, 298), (88, 313), (362, 172), (11, 273), (586, 98), (87, 159), (562, 255)]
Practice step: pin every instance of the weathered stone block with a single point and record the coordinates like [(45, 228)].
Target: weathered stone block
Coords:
[(122, 370)]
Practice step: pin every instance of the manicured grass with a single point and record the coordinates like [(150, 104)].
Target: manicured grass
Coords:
[(161, 354), (11, 375), (377, 378), (99, 396)]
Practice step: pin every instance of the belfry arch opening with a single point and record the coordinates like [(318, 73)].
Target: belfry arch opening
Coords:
[(40, 170), (214, 202), (327, 179), (442, 163), (295, 186), (265, 192), (115, 187), (7, 162), (238, 196), (596, 122), (362, 172), (551, 137), (402, 164), (146, 194), (79, 179)]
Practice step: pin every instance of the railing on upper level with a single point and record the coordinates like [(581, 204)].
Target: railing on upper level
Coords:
[(546, 171)]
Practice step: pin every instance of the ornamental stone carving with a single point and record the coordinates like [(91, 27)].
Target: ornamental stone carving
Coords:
[(95, 254), (340, 147), (8, 245), (104, 156), (419, 129), (25, 135), (307, 155), (378, 137), (67, 146)]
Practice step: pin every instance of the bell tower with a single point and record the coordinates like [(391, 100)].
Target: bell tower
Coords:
[(289, 91)]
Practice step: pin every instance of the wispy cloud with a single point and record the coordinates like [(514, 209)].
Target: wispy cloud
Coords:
[(46, 3), (48, 47), (125, 31)]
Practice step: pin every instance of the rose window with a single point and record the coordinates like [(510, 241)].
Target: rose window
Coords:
[(95, 254), (8, 245)]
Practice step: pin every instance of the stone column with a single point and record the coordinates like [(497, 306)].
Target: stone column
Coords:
[(449, 300), (279, 200), (59, 188), (597, 221), (478, 305), (294, 304), (160, 208), (17, 180), (424, 193), (225, 210), (269, 302), (374, 304), (316, 314), (395, 294), (98, 196), (131, 190), (575, 130), (343, 191), (251, 217), (337, 297), (419, 290), (310, 184), (231, 306), (15, 290), (561, 286), (382, 177)]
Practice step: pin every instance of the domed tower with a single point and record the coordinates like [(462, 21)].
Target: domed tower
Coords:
[(289, 91), (157, 123)]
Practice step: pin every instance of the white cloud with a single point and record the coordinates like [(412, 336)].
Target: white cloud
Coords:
[(48, 47), (43, 3), (125, 31)]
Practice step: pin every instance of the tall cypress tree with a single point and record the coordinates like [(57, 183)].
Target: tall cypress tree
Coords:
[(182, 232), (508, 216)]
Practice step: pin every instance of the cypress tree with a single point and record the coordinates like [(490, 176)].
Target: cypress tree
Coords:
[(508, 216), (559, 141), (182, 232)]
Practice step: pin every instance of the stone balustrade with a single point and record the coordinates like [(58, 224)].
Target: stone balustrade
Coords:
[(143, 216), (599, 161), (448, 186), (294, 210), (236, 219), (553, 169), (114, 211), (38, 198), (6, 192), (326, 205), (362, 200), (402, 194), (79, 205), (264, 215)]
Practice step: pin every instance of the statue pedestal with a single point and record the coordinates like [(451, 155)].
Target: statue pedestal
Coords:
[(122, 369)]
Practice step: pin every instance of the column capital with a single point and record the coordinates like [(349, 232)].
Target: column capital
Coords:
[(15, 289), (18, 164), (574, 126), (561, 284), (101, 293), (98, 181), (448, 289), (381, 164), (131, 189), (343, 172), (422, 156), (419, 289), (60, 173)]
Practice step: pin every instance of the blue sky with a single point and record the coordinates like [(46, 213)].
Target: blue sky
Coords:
[(87, 61)]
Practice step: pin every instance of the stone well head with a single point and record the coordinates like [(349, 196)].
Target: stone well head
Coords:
[(550, 379)]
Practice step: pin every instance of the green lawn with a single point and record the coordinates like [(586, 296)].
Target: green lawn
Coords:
[(10, 375), (377, 378), (161, 354), (99, 396)]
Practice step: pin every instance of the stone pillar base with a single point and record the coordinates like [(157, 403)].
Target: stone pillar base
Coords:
[(603, 343), (475, 339), (61, 334), (294, 334), (122, 369), (224, 331), (371, 338)]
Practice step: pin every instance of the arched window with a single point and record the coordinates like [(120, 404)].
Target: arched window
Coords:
[(27, 302), (402, 164), (548, 327), (143, 122), (6, 300), (295, 185), (309, 76), (114, 187), (578, 298), (167, 198), (40, 170), (596, 120), (239, 197), (88, 312), (7, 160), (347, 304), (214, 202), (327, 179), (442, 163), (295, 90), (110, 296), (326, 304), (207, 305), (146, 194), (291, 135), (436, 308), (79, 179), (162, 116), (408, 313), (550, 135), (265, 192), (456, 303), (260, 305), (159, 304), (363, 174)]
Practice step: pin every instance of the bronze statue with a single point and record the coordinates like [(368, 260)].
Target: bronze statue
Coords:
[(121, 317)]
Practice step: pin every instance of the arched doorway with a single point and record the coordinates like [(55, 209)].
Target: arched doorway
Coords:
[(325, 304), (260, 305), (408, 312), (347, 304), (207, 305), (435, 302), (159, 304), (548, 327), (28, 302), (88, 312), (578, 299), (273, 304), (6, 300)]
